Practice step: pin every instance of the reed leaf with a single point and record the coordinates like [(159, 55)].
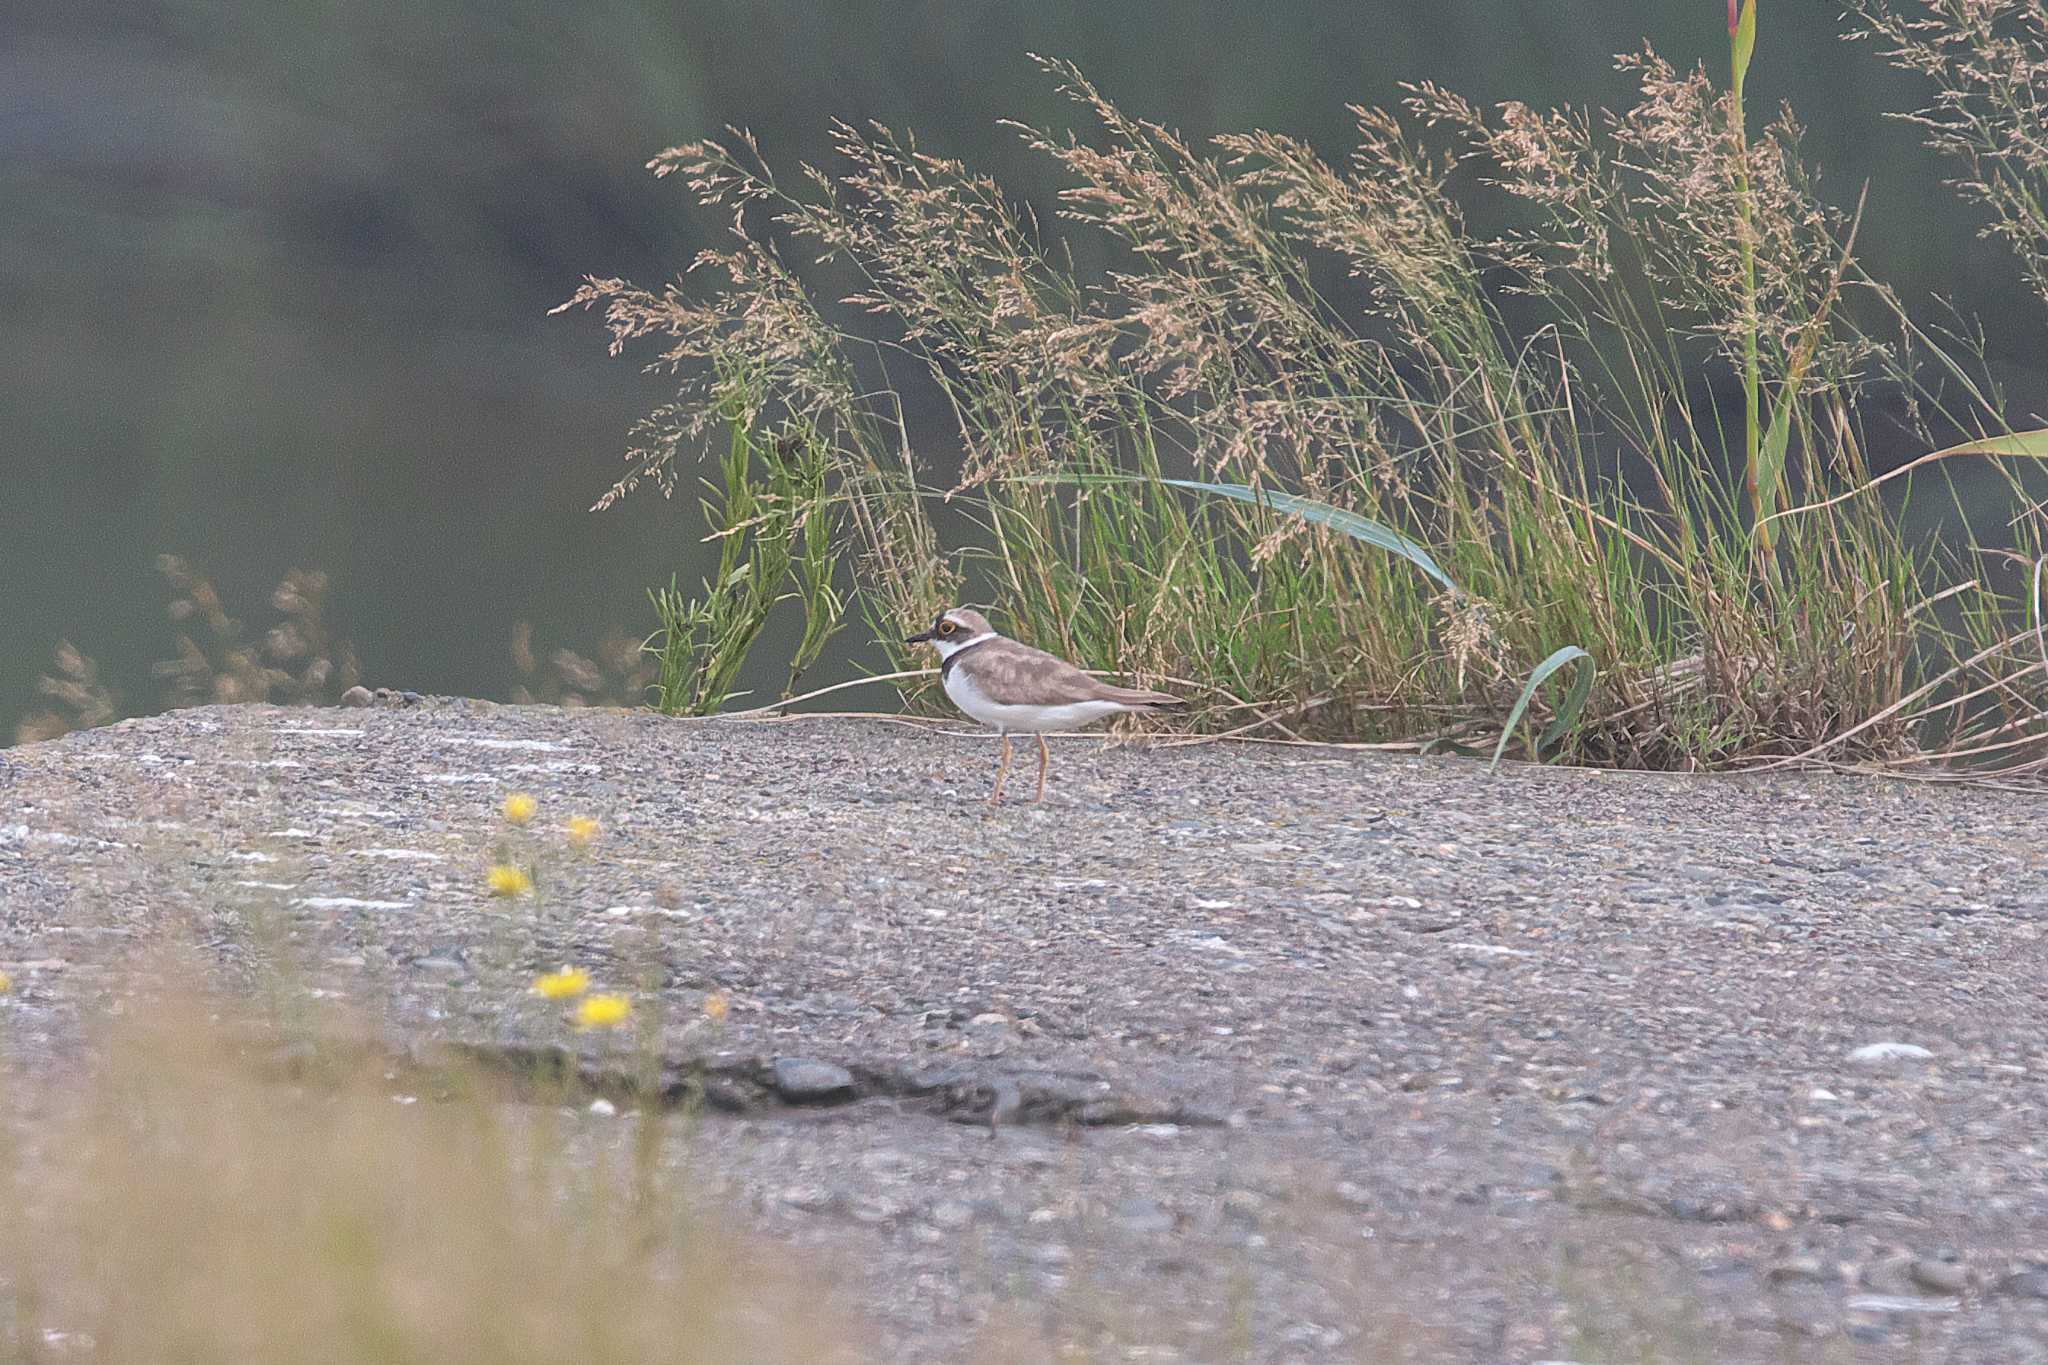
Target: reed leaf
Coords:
[(1567, 714)]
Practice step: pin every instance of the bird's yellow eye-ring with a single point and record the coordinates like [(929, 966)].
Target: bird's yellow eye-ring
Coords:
[(947, 627)]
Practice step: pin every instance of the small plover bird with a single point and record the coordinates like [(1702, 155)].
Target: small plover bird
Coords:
[(1012, 687)]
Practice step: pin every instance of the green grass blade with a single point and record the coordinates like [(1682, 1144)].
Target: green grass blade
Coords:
[(1567, 714), (1322, 514), (1770, 467), (2031, 445), (1745, 40)]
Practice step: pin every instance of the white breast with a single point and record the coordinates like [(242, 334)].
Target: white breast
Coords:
[(1026, 719)]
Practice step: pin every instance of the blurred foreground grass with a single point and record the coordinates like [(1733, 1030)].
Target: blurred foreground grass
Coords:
[(180, 1201)]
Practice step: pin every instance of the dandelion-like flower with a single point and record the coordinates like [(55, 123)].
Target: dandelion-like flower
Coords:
[(603, 1011), (582, 829), (507, 880), (716, 1007), (519, 808), (566, 984)]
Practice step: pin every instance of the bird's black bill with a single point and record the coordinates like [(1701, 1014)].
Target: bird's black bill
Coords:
[(925, 638)]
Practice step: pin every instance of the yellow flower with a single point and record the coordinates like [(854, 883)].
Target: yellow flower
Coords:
[(507, 880), (6, 983), (520, 808), (582, 829), (716, 1007), (603, 1011), (566, 984)]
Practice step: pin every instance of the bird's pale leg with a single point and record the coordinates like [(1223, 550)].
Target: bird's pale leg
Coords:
[(1002, 771), (1044, 761)]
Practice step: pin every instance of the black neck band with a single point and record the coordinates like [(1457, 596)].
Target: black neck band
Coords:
[(946, 667)]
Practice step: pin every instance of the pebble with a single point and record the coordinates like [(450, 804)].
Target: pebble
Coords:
[(879, 1208), (1897, 1303), (1871, 1054), (1146, 1216), (1941, 1276), (1798, 1269), (809, 1198), (951, 1213), (803, 1080), (2028, 1284), (604, 1109)]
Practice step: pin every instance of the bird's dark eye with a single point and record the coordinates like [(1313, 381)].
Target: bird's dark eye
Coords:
[(947, 628)]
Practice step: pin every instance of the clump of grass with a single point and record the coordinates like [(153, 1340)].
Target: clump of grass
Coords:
[(81, 700), (296, 661), (173, 1203), (300, 661), (1536, 407), (619, 673), (775, 529)]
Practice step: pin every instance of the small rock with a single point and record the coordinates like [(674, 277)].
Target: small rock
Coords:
[(951, 1213), (1940, 1276), (357, 696), (803, 1080), (1146, 1216), (879, 1208), (604, 1109), (1313, 1334), (2027, 1284), (1872, 1054), (809, 1198), (1895, 1303), (1822, 1096), (1798, 1269)]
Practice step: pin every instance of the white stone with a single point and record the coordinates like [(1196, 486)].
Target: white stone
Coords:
[(348, 903), (544, 746)]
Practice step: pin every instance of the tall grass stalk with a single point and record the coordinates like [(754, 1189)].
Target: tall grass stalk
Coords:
[(1741, 47)]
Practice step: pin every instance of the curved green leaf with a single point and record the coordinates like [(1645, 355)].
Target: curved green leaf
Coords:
[(1322, 514), (2031, 444), (1567, 714)]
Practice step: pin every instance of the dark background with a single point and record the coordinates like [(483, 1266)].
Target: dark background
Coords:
[(274, 275)]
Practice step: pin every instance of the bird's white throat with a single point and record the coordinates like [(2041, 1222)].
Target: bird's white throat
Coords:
[(948, 648)]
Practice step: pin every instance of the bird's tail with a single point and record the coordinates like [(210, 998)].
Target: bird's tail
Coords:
[(1149, 701)]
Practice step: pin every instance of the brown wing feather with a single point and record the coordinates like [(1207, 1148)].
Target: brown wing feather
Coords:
[(1033, 677)]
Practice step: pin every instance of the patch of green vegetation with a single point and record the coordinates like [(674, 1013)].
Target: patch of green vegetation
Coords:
[(1534, 410)]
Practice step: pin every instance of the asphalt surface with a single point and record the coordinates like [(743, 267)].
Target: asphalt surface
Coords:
[(1224, 1053)]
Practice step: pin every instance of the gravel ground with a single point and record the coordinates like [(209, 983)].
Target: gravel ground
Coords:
[(1225, 1053)]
